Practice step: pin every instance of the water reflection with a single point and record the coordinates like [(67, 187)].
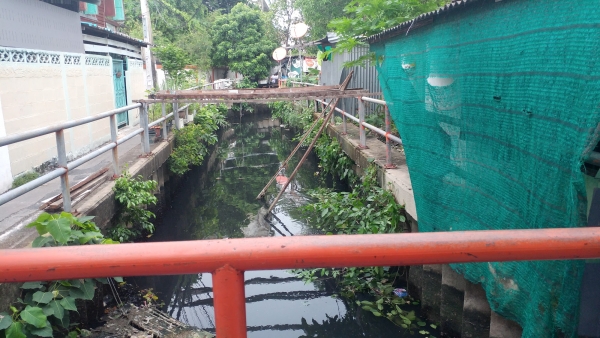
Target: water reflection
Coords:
[(220, 202)]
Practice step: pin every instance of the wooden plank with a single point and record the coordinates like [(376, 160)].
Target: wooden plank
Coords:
[(75, 187)]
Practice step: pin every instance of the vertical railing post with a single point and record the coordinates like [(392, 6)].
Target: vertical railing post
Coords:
[(164, 123), (229, 302), (115, 150), (176, 114), (344, 127), (144, 124), (62, 162), (187, 114), (388, 143), (361, 118)]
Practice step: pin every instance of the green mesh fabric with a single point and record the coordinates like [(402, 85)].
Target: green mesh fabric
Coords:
[(497, 105)]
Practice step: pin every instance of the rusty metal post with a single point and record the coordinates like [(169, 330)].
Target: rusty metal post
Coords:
[(361, 119), (164, 123), (230, 302), (176, 114), (115, 150), (62, 162), (144, 125), (388, 143)]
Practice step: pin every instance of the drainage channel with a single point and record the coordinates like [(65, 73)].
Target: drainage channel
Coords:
[(220, 202)]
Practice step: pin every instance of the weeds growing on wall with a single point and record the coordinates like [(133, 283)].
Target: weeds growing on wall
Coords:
[(25, 178), (192, 141), (45, 308), (133, 196)]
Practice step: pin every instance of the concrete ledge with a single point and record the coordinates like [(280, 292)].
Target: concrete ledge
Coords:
[(101, 203), (396, 180)]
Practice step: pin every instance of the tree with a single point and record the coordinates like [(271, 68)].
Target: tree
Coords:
[(243, 42), (173, 59), (365, 18), (318, 14)]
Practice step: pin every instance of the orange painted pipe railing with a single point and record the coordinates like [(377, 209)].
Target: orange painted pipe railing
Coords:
[(227, 259)]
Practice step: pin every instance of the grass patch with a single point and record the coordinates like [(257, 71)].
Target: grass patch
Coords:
[(25, 178)]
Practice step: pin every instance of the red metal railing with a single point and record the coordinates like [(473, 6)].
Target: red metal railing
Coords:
[(228, 259)]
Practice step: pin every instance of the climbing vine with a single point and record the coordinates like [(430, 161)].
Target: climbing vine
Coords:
[(44, 310)]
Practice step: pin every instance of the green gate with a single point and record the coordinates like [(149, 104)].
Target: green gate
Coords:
[(120, 93)]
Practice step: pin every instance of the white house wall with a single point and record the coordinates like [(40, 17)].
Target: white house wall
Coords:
[(5, 174), (135, 78), (39, 88)]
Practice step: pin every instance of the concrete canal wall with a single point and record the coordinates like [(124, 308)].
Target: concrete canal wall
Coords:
[(460, 306)]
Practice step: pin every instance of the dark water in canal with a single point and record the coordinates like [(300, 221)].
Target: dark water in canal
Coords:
[(220, 202)]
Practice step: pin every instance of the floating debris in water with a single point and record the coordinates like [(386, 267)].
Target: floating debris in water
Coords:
[(402, 293)]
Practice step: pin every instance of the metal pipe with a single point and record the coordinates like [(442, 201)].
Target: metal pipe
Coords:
[(27, 187), (362, 142), (382, 133), (61, 149), (594, 158), (91, 155), (176, 114), (130, 136), (115, 150), (191, 257), (66, 125), (145, 136), (164, 122), (162, 119), (230, 302), (372, 100), (388, 144)]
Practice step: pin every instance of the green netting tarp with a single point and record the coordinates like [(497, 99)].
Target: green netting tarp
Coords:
[(497, 105)]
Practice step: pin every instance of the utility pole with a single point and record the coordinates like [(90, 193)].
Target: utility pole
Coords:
[(148, 59)]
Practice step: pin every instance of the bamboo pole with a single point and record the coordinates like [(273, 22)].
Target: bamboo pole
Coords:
[(312, 144), (264, 191)]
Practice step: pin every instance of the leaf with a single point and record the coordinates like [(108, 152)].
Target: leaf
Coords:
[(15, 331), (88, 236), (433, 326), (86, 291), (424, 332), (60, 229), (42, 241), (84, 219), (377, 313), (44, 332), (34, 315), (421, 323), (57, 310), (43, 297), (118, 279), (32, 285), (5, 320), (68, 303)]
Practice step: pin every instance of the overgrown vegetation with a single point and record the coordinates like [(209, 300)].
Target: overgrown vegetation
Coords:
[(133, 195), (45, 308), (192, 142), (25, 178), (291, 115), (367, 209)]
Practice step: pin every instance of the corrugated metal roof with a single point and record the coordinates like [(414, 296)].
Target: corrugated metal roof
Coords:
[(421, 20)]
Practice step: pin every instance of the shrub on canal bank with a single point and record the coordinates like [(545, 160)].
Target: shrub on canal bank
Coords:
[(46, 308), (192, 141), (133, 196)]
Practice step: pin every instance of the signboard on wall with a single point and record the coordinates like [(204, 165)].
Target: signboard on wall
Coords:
[(34, 24)]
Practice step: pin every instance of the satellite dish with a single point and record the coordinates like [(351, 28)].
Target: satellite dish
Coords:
[(279, 54), (298, 30)]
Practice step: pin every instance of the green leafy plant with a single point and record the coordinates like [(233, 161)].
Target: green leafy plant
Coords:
[(368, 209), (291, 115), (191, 142), (133, 196), (46, 306)]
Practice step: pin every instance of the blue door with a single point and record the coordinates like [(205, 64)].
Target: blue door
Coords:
[(120, 94)]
